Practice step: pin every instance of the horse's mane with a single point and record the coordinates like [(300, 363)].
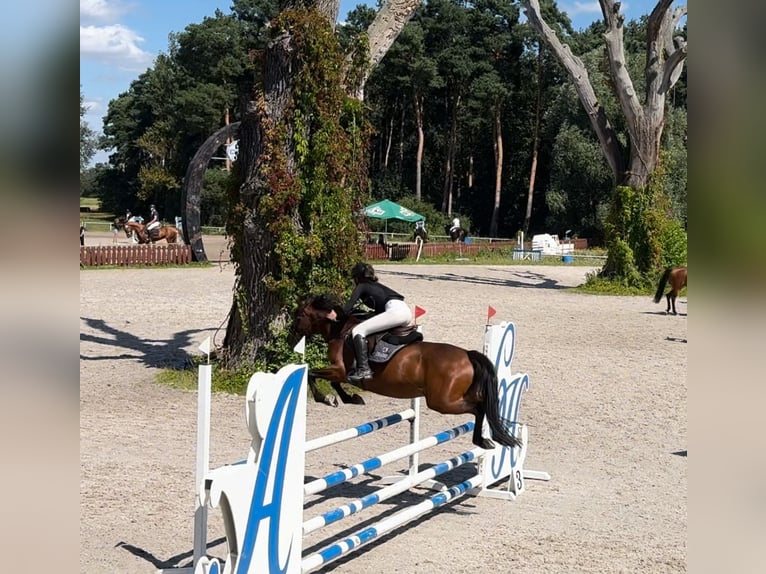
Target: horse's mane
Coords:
[(330, 302), (326, 302)]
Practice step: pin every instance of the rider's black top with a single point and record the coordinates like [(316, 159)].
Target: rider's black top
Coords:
[(372, 294)]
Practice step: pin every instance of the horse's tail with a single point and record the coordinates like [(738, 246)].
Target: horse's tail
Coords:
[(661, 286), (485, 378)]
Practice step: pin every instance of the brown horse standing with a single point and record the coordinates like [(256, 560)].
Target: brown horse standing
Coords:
[(453, 380), (167, 232), (676, 276)]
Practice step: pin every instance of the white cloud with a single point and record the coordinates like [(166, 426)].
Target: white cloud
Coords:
[(582, 8), (101, 10), (91, 106), (115, 44)]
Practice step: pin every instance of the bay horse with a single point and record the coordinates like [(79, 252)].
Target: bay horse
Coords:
[(453, 380), (676, 276), (455, 234), (169, 233)]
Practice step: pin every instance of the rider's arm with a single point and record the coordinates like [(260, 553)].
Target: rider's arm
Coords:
[(360, 289)]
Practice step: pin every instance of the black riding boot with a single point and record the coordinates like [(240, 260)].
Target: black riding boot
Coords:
[(363, 371)]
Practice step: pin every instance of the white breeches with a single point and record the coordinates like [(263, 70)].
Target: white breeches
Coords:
[(153, 225), (397, 314)]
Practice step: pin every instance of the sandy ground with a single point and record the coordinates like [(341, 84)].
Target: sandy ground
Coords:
[(606, 412)]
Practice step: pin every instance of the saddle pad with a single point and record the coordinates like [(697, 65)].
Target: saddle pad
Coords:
[(383, 351)]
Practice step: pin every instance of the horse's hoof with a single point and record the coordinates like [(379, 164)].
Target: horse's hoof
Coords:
[(357, 400), (331, 400), (486, 444)]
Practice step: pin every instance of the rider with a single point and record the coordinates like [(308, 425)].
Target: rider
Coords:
[(153, 226), (455, 225), (389, 311), (420, 226)]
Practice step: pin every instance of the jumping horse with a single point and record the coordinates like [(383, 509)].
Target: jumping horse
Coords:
[(453, 380), (676, 277), (169, 233)]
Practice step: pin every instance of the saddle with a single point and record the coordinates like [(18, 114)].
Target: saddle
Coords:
[(384, 345)]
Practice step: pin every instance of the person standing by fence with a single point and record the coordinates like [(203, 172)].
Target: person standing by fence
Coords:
[(82, 234)]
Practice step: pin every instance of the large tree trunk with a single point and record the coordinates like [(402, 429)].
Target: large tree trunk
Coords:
[(449, 162), (255, 307), (631, 165), (383, 31), (535, 144), (421, 139), (498, 171), (389, 140)]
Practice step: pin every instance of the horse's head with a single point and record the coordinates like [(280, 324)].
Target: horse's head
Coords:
[(311, 316)]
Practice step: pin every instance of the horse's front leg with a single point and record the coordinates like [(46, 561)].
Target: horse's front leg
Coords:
[(319, 396), (336, 374)]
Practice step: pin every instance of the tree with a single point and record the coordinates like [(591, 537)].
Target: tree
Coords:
[(633, 162), (88, 138), (301, 173)]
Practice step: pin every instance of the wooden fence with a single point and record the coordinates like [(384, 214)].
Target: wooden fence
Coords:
[(122, 255)]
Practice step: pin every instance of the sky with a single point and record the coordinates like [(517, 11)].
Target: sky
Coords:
[(119, 39)]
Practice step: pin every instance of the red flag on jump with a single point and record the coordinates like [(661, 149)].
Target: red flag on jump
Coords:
[(490, 312), (419, 311)]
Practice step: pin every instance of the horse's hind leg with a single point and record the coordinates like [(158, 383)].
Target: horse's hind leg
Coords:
[(668, 298), (671, 296), (478, 437), (464, 405)]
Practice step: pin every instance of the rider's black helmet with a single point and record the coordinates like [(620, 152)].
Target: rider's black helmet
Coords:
[(363, 272)]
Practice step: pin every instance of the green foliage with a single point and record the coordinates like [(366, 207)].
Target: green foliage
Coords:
[(213, 205), (642, 237), (88, 139), (674, 245), (155, 183), (580, 185), (326, 186), (597, 285)]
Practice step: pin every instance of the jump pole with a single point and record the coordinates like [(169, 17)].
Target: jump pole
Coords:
[(204, 386)]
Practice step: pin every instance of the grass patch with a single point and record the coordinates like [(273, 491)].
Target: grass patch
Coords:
[(595, 285), (93, 203), (225, 381)]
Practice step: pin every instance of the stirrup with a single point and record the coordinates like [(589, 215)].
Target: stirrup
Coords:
[(359, 376)]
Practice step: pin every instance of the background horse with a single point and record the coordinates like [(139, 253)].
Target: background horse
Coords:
[(453, 380), (420, 232), (167, 232), (676, 276), (455, 235)]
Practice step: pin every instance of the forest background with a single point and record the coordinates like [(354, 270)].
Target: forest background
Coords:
[(461, 79)]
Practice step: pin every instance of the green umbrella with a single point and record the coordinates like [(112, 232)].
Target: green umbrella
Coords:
[(387, 209)]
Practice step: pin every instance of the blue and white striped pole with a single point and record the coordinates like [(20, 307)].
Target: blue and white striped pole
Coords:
[(334, 551), (359, 430), (387, 492), (376, 462)]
